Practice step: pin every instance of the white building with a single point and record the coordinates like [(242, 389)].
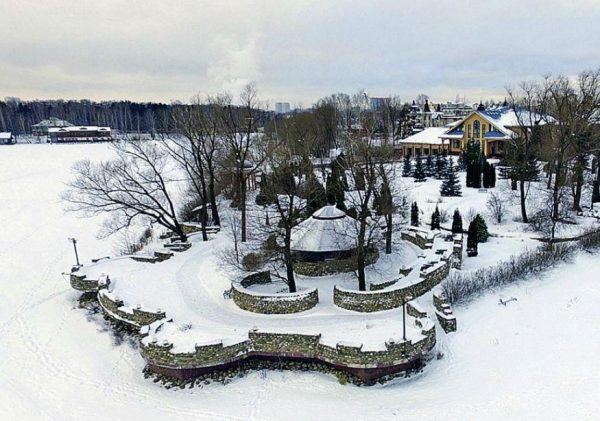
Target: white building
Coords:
[(282, 107), (6, 138)]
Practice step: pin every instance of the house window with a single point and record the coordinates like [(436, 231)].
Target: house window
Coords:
[(456, 143), (468, 131), (476, 130)]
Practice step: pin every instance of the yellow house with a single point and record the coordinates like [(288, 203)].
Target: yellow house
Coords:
[(492, 128)]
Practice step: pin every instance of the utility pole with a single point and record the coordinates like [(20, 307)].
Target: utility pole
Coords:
[(74, 241)]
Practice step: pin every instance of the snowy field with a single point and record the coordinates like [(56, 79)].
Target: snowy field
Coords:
[(533, 359)]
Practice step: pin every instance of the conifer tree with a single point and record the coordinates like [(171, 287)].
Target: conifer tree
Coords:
[(429, 168), (481, 229), (473, 162), (440, 165), (472, 240), (486, 175), (451, 185), (457, 225), (316, 196), (435, 219), (419, 173), (407, 168), (414, 214)]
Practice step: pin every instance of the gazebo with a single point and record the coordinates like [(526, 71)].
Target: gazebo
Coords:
[(326, 235)]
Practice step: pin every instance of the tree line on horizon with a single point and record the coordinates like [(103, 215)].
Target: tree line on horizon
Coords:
[(19, 116)]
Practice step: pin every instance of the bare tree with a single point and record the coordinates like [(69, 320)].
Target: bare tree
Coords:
[(496, 206), (527, 104), (133, 186), (193, 145), (361, 157), (244, 154)]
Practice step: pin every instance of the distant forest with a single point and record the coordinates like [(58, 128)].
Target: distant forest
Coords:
[(146, 117)]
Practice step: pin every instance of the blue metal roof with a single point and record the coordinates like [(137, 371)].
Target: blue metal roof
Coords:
[(456, 132), (495, 113), (493, 134)]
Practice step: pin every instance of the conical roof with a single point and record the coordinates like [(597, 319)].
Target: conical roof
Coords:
[(328, 229)]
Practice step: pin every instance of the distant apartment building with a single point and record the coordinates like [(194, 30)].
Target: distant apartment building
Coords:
[(7, 138), (41, 128), (282, 107), (79, 134), (378, 102)]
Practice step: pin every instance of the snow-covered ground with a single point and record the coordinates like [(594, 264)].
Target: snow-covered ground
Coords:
[(533, 359)]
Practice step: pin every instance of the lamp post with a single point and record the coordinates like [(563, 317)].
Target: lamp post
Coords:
[(74, 241), (405, 299)]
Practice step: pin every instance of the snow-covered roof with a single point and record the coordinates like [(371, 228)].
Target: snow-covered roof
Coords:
[(502, 119), (430, 135), (5, 135), (328, 229), (78, 129)]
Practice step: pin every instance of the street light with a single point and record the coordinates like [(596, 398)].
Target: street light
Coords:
[(405, 299), (74, 241)]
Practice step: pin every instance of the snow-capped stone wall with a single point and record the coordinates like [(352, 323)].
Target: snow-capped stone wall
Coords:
[(274, 303), (443, 311), (391, 297), (368, 365), (116, 309), (81, 283)]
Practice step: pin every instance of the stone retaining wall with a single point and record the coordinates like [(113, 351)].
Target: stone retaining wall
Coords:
[(396, 356), (274, 303), (418, 237), (386, 299), (116, 309), (330, 267), (443, 312), (81, 283)]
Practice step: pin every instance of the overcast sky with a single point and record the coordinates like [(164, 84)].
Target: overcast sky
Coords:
[(295, 51)]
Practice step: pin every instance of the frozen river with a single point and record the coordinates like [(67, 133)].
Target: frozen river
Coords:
[(534, 359)]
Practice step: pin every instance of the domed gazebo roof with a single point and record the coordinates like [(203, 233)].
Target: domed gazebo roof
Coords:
[(327, 230)]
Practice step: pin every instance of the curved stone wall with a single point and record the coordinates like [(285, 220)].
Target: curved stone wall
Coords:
[(274, 303), (368, 365), (137, 317), (391, 297), (81, 283), (330, 267)]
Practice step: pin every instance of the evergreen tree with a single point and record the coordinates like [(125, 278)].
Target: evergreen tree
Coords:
[(414, 214), (440, 166), (429, 168), (457, 225), (472, 240), (473, 162), (316, 196), (359, 178), (419, 173), (481, 229), (451, 185), (335, 192), (435, 219), (407, 168), (486, 175), (492, 176)]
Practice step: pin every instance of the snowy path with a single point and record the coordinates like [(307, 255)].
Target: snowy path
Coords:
[(534, 359)]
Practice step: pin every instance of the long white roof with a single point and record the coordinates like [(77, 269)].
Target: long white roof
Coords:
[(328, 229), (430, 135), (5, 135), (78, 129)]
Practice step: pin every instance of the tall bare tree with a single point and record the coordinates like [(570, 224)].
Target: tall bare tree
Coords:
[(136, 185), (244, 154)]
